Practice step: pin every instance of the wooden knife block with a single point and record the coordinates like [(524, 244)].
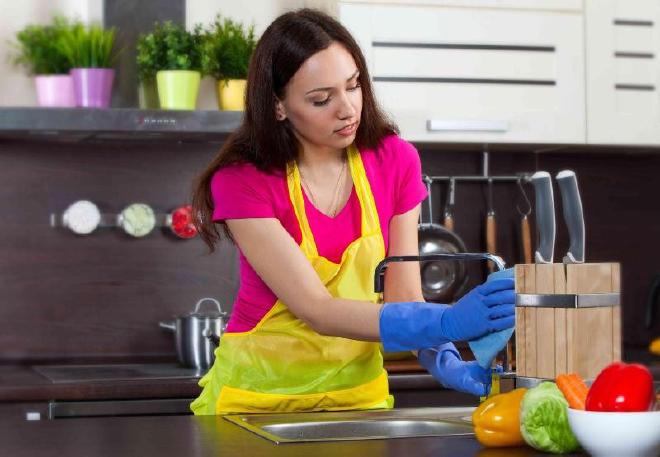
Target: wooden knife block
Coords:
[(554, 340)]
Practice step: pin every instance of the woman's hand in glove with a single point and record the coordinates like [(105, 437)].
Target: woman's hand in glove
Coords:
[(487, 308), (446, 366)]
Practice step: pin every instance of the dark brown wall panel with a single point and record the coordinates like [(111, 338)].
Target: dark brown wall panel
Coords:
[(100, 297), (103, 294)]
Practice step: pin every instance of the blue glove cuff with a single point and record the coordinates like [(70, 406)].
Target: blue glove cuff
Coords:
[(411, 326)]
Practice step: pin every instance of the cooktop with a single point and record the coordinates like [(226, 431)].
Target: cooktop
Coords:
[(115, 372)]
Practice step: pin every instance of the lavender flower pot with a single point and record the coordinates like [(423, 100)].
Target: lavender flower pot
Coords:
[(55, 91), (92, 87)]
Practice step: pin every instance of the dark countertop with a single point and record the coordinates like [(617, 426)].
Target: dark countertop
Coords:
[(192, 436), (24, 384)]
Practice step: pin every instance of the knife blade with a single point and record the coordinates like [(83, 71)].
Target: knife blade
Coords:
[(545, 217), (573, 215)]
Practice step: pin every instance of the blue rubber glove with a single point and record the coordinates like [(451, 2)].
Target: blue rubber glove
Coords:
[(446, 366), (487, 308), (416, 325)]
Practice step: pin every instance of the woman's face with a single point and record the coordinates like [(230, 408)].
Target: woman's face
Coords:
[(323, 100)]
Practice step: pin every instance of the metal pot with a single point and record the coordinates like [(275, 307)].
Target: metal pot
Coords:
[(194, 333), (442, 281)]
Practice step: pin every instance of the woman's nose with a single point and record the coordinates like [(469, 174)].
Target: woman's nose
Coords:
[(346, 108)]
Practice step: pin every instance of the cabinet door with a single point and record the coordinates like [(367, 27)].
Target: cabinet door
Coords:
[(475, 75), (622, 71)]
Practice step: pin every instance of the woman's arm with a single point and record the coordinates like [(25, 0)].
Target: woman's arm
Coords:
[(280, 263), (277, 259), (402, 279)]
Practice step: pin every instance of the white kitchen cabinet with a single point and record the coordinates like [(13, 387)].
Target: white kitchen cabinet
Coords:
[(554, 5), (622, 49), (449, 74)]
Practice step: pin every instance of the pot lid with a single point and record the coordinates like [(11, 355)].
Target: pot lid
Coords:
[(207, 313)]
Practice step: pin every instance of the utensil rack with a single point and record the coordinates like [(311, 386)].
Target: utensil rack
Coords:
[(485, 176)]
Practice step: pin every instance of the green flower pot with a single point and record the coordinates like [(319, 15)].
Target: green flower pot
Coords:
[(178, 89)]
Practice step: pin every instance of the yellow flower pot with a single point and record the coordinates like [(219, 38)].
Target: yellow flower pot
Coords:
[(231, 94), (178, 89)]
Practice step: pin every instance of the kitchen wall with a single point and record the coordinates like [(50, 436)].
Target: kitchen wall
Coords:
[(100, 297), (260, 13), (17, 88)]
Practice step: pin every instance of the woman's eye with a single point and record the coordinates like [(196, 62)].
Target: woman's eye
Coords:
[(322, 102), (357, 86)]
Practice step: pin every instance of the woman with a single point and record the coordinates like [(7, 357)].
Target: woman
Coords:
[(315, 188)]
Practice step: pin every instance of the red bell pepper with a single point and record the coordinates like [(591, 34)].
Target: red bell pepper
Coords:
[(622, 387)]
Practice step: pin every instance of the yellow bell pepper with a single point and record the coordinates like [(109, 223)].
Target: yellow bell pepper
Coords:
[(497, 420)]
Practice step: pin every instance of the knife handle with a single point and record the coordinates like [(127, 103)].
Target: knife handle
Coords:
[(526, 239), (545, 217), (573, 215), (448, 222), (491, 238)]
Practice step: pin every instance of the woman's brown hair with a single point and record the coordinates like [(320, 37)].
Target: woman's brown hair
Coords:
[(261, 140)]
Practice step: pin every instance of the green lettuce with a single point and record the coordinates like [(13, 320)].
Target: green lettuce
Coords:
[(544, 420)]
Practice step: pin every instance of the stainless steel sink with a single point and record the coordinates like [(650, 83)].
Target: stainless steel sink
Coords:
[(358, 425)]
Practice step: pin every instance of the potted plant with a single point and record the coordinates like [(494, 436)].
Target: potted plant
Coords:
[(36, 49), (177, 57), (150, 57), (89, 51), (228, 47)]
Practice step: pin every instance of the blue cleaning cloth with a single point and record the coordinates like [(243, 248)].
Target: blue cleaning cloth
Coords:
[(486, 348)]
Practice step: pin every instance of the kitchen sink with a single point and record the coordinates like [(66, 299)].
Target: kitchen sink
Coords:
[(358, 425)]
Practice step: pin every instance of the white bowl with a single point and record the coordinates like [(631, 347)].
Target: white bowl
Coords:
[(617, 434)]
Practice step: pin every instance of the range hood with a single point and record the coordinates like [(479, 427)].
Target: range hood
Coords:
[(79, 124)]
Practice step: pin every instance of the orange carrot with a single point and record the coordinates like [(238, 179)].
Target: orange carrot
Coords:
[(573, 388)]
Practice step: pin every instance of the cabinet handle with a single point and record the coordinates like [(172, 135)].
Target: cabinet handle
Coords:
[(439, 125)]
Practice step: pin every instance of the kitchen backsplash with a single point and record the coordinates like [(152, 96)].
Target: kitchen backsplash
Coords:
[(101, 296)]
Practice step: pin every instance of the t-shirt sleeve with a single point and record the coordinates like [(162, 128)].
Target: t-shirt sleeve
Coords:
[(240, 193), (411, 189)]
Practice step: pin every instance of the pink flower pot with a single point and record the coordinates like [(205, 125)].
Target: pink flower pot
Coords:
[(92, 87), (55, 91)]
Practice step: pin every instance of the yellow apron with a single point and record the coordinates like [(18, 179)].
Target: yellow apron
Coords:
[(282, 364)]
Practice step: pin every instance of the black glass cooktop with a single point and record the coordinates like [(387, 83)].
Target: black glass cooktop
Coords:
[(115, 372)]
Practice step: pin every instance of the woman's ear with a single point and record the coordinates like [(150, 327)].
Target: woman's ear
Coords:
[(280, 112)]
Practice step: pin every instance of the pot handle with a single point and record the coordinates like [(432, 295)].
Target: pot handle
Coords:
[(217, 303), (212, 337), (167, 326)]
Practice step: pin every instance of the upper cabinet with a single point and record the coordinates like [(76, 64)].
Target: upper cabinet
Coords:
[(554, 5), (466, 74), (623, 46)]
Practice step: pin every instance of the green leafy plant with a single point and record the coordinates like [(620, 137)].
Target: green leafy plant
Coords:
[(36, 48), (150, 53), (169, 46), (228, 47), (88, 46)]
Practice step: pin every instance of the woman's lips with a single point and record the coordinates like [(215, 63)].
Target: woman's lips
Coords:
[(348, 130)]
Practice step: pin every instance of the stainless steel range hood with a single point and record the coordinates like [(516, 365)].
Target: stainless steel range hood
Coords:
[(117, 123)]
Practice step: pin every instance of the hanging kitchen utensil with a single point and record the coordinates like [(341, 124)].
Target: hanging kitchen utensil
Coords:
[(525, 230), (491, 226), (441, 280), (195, 334), (448, 217)]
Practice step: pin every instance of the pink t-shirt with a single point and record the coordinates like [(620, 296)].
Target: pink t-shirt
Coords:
[(241, 191)]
